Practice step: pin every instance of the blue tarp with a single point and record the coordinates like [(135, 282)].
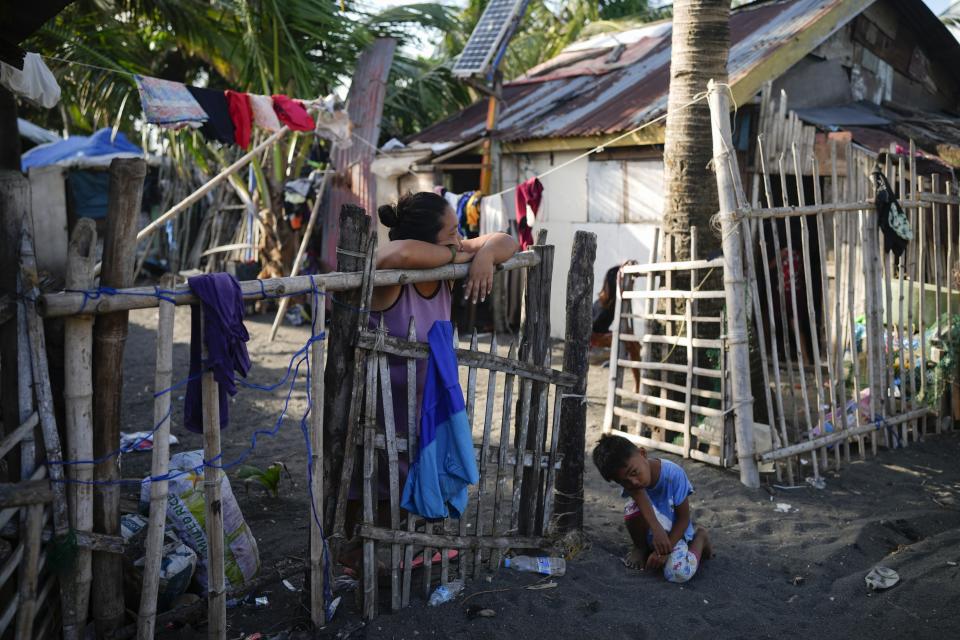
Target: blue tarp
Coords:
[(80, 148)]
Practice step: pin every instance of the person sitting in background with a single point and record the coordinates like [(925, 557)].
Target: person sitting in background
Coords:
[(604, 310)]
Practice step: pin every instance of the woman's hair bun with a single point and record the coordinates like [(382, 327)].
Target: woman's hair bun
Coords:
[(388, 215)]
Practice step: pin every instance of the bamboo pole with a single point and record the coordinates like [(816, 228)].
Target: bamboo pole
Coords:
[(370, 568), (213, 182), (471, 419), (78, 397), (393, 474), (304, 243), (839, 381), (901, 332), (852, 270), (318, 568), (411, 451), (48, 424), (29, 571), (726, 162), (216, 577), (52, 305), (109, 338), (160, 464), (485, 457), (498, 497)]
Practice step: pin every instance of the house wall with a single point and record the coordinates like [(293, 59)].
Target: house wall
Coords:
[(876, 57), (576, 196)]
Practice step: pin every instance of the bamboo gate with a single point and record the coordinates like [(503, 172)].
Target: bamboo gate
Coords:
[(847, 336), (512, 507)]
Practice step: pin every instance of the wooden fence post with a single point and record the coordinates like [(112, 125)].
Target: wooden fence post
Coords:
[(355, 232), (78, 396), (14, 205), (735, 285), (573, 417), (110, 335), (534, 345)]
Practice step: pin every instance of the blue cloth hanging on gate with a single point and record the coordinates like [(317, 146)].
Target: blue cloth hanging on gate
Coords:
[(225, 336), (436, 486)]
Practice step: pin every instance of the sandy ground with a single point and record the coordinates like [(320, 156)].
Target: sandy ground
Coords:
[(776, 575)]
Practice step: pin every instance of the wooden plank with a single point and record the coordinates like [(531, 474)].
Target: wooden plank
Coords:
[(471, 419), (393, 475), (666, 366), (29, 572), (485, 458), (669, 404), (699, 393), (420, 351), (318, 559), (502, 471), (670, 317), (412, 437), (679, 295), (685, 265), (370, 482), (14, 438), (649, 442), (110, 334), (498, 543), (570, 415), (25, 493), (216, 570), (677, 341), (160, 463), (343, 375)]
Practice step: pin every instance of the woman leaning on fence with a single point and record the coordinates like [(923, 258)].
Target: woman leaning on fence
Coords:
[(424, 235)]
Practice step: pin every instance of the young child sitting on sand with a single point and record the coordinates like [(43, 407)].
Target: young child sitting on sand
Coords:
[(657, 515)]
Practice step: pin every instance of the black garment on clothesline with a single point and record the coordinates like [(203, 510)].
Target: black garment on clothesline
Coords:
[(888, 207), (219, 126)]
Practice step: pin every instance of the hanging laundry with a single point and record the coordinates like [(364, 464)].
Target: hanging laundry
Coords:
[(168, 103), (263, 114), (436, 486), (34, 82), (225, 336), (461, 211), (219, 126), (473, 214), (453, 199), (242, 116), (293, 114), (492, 216), (335, 126), (893, 221), (527, 200)]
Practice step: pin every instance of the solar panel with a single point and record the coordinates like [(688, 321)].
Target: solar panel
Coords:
[(487, 37)]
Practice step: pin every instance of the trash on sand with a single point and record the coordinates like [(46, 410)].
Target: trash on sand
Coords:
[(881, 578), (140, 441), (261, 601), (951, 563), (817, 483), (783, 507), (798, 580), (177, 565), (546, 565), (288, 585), (479, 611), (544, 585), (249, 600), (446, 593)]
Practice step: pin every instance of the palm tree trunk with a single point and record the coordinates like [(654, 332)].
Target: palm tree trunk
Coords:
[(701, 43)]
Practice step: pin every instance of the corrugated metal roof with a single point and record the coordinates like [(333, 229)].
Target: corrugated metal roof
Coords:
[(587, 91)]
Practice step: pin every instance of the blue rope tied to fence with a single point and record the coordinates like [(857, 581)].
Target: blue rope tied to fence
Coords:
[(290, 376)]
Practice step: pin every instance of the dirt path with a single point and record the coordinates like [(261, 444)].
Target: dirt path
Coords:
[(777, 575)]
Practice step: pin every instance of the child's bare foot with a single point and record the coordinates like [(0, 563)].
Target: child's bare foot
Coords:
[(636, 559), (701, 542)]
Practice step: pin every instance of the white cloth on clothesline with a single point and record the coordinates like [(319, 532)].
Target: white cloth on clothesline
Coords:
[(492, 216), (263, 114), (35, 82)]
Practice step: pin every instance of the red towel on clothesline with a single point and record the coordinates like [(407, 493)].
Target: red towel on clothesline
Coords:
[(242, 116), (528, 193), (293, 114)]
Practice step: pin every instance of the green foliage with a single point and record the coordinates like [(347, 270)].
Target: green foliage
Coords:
[(946, 372), (268, 478)]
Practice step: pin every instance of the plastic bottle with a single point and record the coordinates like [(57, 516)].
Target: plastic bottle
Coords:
[(446, 592), (545, 565)]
